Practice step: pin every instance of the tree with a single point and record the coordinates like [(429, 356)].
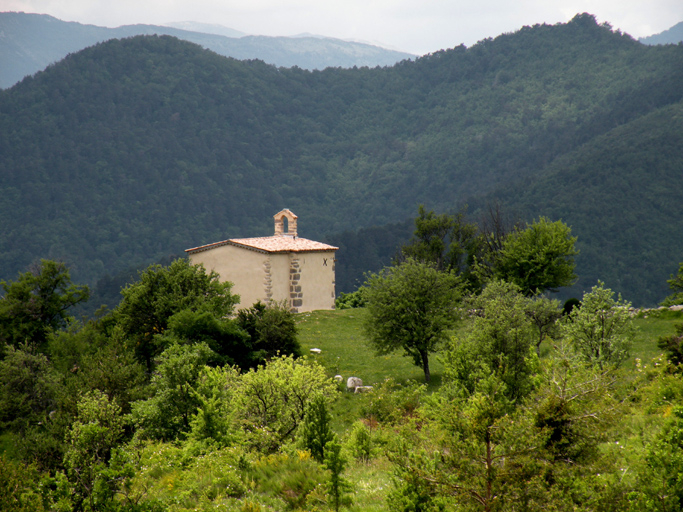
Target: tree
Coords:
[(37, 304), (574, 405), (161, 292), (447, 241), (272, 400), (272, 329), (661, 483), (411, 306), (478, 447), (29, 389), (499, 339), (538, 258), (168, 413), (474, 450), (97, 429), (315, 429), (214, 422), (676, 284), (230, 344), (494, 227), (337, 487), (544, 314), (601, 329)]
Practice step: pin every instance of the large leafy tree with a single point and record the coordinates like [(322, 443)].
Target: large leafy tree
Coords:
[(160, 293), (447, 241), (411, 306), (37, 304), (538, 258)]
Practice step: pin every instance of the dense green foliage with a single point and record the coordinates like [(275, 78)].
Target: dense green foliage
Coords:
[(272, 330), (499, 341), (410, 307), (133, 150), (601, 329), (37, 304), (84, 428), (538, 258), (148, 305)]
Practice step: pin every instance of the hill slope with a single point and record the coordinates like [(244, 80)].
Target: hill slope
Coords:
[(30, 42), (136, 149)]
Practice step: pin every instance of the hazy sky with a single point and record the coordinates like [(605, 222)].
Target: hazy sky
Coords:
[(416, 26)]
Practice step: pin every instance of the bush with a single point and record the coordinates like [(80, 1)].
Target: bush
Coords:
[(272, 329), (290, 478), (392, 402), (360, 441), (174, 479), (272, 400), (673, 346), (18, 489), (351, 300)]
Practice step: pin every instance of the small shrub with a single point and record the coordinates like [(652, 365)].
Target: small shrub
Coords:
[(673, 346), (18, 490), (355, 299), (392, 402), (360, 441), (337, 487), (290, 478), (316, 431)]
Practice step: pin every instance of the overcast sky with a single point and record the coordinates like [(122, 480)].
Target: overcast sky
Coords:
[(415, 26)]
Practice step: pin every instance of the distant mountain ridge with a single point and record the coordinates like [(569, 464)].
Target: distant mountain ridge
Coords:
[(135, 149), (31, 42), (206, 28), (674, 35)]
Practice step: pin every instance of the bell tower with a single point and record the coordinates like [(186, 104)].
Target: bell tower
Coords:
[(285, 223)]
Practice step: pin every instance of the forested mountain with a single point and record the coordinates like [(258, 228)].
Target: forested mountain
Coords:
[(30, 42), (135, 149)]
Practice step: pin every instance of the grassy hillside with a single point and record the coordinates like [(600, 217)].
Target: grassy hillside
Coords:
[(345, 350), (136, 149)]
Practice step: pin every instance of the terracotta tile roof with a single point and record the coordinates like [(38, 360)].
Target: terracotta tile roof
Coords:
[(276, 243)]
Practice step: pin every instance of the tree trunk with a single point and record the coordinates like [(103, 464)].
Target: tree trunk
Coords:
[(425, 365)]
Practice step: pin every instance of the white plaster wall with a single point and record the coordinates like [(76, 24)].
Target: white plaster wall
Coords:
[(317, 280), (242, 267)]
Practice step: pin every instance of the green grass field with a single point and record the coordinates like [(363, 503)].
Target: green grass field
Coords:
[(345, 350)]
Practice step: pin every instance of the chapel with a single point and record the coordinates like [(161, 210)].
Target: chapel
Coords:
[(282, 267)]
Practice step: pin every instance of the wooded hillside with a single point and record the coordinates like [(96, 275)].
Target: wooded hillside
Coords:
[(135, 149)]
